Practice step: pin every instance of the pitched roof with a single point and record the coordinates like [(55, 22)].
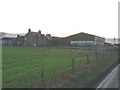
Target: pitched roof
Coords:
[(33, 33), (80, 36)]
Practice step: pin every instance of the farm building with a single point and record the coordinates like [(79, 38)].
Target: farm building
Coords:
[(7, 39), (56, 41), (83, 39), (34, 39), (39, 39), (20, 40)]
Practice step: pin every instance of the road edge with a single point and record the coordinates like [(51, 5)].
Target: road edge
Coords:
[(95, 82)]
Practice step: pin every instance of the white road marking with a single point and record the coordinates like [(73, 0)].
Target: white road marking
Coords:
[(107, 77)]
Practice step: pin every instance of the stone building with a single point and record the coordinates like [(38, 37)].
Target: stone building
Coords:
[(34, 39), (20, 40)]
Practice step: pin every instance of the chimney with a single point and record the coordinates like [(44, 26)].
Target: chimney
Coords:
[(29, 30), (39, 31)]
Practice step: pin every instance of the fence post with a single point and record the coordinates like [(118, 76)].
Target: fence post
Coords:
[(42, 74), (87, 59), (96, 55), (103, 54), (73, 68)]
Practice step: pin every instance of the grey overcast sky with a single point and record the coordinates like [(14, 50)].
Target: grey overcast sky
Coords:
[(60, 17)]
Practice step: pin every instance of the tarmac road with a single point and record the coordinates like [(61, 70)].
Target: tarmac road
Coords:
[(111, 81)]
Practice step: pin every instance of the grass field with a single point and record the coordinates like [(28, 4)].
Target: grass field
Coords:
[(22, 66)]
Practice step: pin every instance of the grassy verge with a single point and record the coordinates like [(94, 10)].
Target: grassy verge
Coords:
[(80, 80)]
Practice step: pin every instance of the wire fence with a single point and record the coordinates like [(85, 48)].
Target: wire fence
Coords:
[(100, 56)]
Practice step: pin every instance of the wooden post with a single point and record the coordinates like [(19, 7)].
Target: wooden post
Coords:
[(87, 59), (103, 54), (73, 68), (96, 55), (42, 74), (108, 51)]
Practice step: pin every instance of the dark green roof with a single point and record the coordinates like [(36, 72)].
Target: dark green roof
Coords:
[(81, 36)]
